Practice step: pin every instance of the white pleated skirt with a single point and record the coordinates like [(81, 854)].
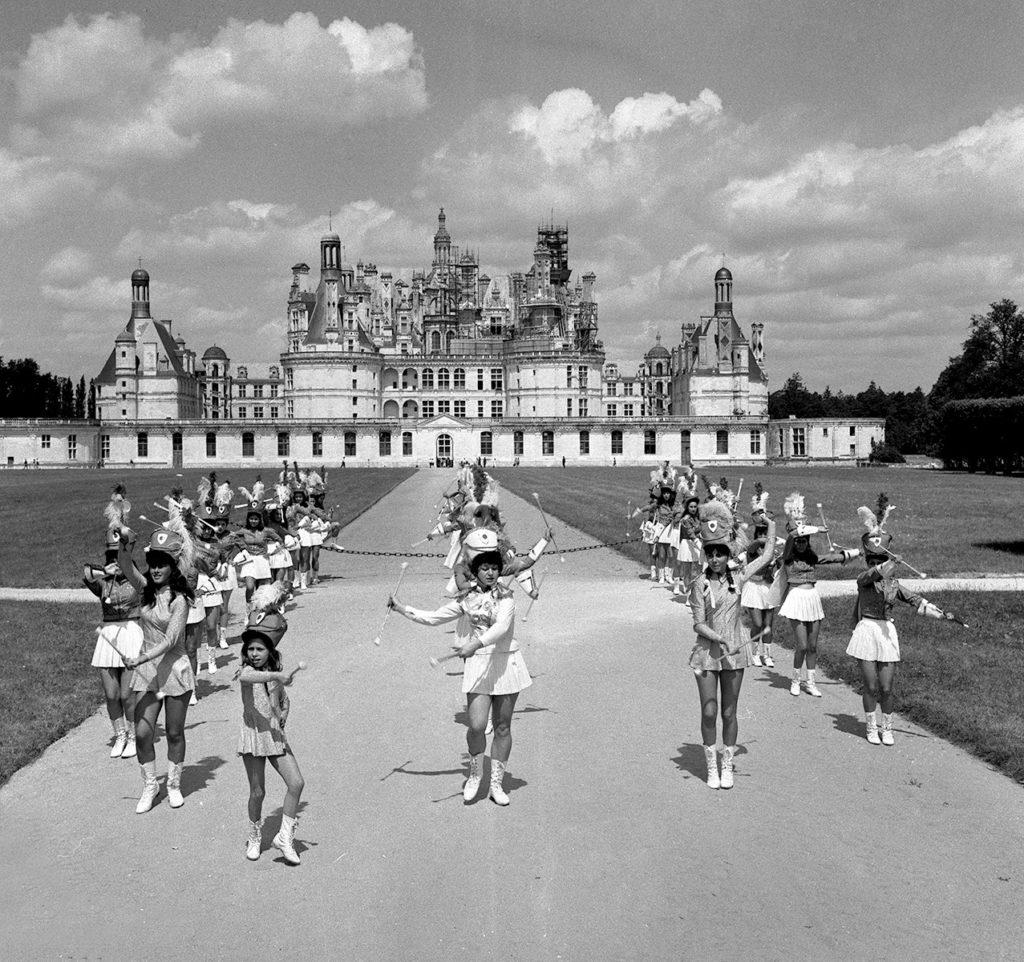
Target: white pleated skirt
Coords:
[(127, 635), (257, 568), (230, 580), (803, 603), (280, 559), (874, 640), (498, 673), (196, 613), (688, 551), (756, 594), (305, 538)]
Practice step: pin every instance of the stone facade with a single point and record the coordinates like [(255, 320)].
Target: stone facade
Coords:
[(450, 364)]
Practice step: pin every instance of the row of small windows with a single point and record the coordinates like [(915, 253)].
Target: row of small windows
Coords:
[(486, 443)]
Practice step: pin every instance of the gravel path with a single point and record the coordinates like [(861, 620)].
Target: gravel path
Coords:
[(612, 848)]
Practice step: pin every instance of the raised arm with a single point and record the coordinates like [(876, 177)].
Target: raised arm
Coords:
[(765, 557), (124, 560)]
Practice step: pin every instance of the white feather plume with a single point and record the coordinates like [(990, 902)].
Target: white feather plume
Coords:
[(269, 597), (794, 507)]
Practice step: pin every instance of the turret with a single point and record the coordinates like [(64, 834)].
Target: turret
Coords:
[(723, 292), (442, 241), (140, 295), (330, 255)]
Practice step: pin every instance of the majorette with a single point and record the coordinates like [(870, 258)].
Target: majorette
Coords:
[(874, 642)]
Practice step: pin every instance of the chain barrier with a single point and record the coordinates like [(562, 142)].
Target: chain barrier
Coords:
[(427, 554)]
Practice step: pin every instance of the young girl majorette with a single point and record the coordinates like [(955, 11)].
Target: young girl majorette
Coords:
[(801, 601), (722, 648), (162, 667), (218, 513), (665, 520), (760, 595), (120, 634), (265, 708), (874, 642), (256, 539), (494, 673), (688, 554), (299, 518)]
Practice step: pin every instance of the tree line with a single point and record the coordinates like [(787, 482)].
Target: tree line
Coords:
[(964, 418), (27, 392)]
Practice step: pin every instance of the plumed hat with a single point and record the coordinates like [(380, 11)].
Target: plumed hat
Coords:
[(165, 541), (759, 502), (876, 539), (796, 524), (119, 507), (479, 541), (716, 525), (269, 626)]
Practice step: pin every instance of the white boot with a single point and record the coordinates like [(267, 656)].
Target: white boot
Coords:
[(711, 757), (174, 796), (727, 756), (254, 843), (887, 738), (497, 793), (150, 790), (768, 663), (812, 688), (794, 685), (472, 785), (871, 721), (654, 573), (285, 840), (223, 635), (302, 581), (120, 740), (129, 745), (755, 659)]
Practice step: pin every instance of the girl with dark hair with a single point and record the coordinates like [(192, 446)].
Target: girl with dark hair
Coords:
[(265, 708), (162, 667), (722, 648), (760, 602), (256, 539), (300, 519), (120, 637), (494, 673), (801, 602), (688, 553)]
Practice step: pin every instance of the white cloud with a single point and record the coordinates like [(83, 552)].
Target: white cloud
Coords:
[(568, 124), (104, 92), (68, 268), (33, 185)]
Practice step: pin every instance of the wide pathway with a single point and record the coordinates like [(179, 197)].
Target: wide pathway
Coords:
[(612, 848)]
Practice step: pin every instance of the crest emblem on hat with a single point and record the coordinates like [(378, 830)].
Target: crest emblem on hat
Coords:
[(876, 541), (161, 537), (712, 526)]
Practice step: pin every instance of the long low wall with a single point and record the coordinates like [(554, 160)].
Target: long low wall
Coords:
[(730, 441)]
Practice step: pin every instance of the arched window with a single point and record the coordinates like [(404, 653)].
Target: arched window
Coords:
[(443, 379), (427, 379), (350, 444), (248, 445), (486, 444), (211, 444), (658, 370), (547, 442), (449, 339), (407, 444), (460, 379), (517, 442), (435, 342), (616, 442), (216, 370)]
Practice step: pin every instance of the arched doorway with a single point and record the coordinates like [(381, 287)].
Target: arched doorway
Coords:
[(444, 451)]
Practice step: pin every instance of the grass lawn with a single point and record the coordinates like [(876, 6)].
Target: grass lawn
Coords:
[(47, 685), (60, 513), (963, 685), (944, 523)]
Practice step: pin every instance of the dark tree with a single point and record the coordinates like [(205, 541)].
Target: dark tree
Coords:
[(80, 400), (91, 409)]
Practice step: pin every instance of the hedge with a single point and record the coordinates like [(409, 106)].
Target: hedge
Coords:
[(983, 433)]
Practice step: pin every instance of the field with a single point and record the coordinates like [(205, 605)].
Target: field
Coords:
[(59, 513), (944, 523), (963, 685), (47, 686)]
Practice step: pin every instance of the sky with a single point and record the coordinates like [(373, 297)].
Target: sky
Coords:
[(858, 164)]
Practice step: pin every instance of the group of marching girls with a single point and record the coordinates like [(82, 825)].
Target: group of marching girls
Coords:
[(481, 599), (161, 625), (739, 584)]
